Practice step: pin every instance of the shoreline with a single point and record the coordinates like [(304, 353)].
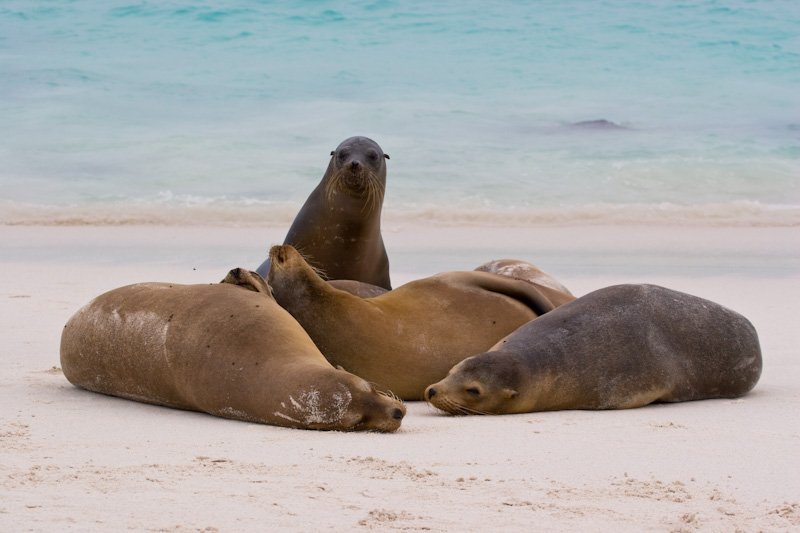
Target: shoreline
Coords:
[(253, 213), (71, 459)]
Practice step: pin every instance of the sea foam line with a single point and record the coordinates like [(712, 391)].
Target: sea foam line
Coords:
[(235, 214)]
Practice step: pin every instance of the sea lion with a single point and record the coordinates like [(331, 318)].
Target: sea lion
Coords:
[(406, 339), (227, 349), (362, 290), (521, 270), (616, 348), (338, 229)]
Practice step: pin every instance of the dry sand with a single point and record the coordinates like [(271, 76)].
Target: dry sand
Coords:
[(74, 460)]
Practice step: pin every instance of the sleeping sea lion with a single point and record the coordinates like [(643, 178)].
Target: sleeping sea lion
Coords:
[(227, 349), (616, 348)]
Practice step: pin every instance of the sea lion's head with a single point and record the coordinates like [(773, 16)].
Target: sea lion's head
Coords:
[(357, 169), (248, 279), (480, 385), (290, 275), (286, 257), (328, 398), (369, 409)]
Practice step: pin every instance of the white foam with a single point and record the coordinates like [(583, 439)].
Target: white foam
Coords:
[(737, 214)]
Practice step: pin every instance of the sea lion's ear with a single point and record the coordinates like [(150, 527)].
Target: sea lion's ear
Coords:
[(386, 156), (333, 152), (510, 394)]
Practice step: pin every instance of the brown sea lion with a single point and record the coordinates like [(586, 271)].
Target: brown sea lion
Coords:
[(407, 338), (362, 290), (521, 270), (338, 229), (217, 348), (616, 348)]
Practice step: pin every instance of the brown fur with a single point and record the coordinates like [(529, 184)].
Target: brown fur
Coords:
[(362, 290), (410, 337), (227, 349)]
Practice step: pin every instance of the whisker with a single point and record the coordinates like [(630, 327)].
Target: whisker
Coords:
[(378, 192), (374, 189), (332, 185), (457, 409), (469, 411), (309, 259), (390, 394), (369, 204)]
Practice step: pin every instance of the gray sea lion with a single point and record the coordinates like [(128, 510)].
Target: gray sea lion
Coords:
[(616, 348), (338, 229), (521, 270), (227, 349), (407, 338)]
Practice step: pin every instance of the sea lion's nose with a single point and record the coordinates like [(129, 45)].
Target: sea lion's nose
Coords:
[(431, 392), (397, 414), (354, 165)]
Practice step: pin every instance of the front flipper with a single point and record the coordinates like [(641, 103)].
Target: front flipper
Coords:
[(537, 297)]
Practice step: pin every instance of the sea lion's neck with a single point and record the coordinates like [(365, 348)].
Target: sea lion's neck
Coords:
[(341, 204), (296, 285)]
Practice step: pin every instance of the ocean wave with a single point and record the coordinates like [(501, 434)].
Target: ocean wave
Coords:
[(734, 214), (248, 213)]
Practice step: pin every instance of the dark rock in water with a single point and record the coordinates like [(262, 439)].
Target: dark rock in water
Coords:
[(601, 124)]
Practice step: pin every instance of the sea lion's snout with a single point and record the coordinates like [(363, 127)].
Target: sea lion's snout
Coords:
[(387, 420), (357, 171), (394, 420), (280, 254), (355, 179), (249, 280), (430, 393), (276, 255), (394, 415)]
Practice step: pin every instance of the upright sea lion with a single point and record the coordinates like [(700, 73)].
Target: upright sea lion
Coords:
[(522, 270), (338, 229), (221, 349), (407, 338), (616, 348)]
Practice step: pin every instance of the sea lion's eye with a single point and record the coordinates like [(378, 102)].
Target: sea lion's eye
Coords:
[(343, 154), (473, 391), (372, 155)]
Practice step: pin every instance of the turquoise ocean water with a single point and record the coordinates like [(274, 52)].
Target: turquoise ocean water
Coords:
[(195, 112)]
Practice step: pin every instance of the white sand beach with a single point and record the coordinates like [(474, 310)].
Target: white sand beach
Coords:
[(72, 460)]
